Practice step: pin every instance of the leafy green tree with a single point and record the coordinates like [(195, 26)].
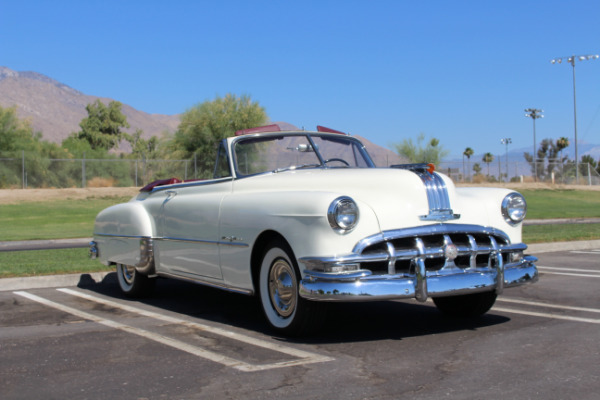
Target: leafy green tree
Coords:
[(15, 134), (431, 152), (548, 150), (477, 168), (488, 158), (102, 128), (23, 146), (203, 126)]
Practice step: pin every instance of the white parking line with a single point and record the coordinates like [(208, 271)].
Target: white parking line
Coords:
[(538, 304), (569, 271), (548, 315), (303, 357), (597, 271)]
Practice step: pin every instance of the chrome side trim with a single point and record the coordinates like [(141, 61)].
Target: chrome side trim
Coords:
[(213, 242), (173, 239)]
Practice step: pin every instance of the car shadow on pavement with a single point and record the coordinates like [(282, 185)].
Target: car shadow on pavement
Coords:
[(346, 322)]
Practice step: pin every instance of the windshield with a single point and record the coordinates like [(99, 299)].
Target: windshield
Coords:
[(255, 155)]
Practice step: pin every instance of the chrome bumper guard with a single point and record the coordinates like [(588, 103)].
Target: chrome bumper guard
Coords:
[(420, 282)]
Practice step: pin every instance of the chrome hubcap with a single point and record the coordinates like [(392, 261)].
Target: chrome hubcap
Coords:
[(128, 272), (282, 288)]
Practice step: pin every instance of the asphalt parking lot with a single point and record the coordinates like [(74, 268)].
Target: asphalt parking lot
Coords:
[(190, 342)]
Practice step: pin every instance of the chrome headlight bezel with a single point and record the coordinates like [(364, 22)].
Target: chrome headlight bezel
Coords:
[(514, 208), (343, 214)]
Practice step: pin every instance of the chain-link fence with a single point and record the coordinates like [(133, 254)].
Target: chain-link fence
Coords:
[(28, 170), (544, 171)]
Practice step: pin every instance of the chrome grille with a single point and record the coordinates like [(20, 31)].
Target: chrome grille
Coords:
[(397, 252)]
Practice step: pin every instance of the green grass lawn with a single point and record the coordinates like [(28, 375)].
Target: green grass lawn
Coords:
[(546, 203), (47, 262), (61, 219)]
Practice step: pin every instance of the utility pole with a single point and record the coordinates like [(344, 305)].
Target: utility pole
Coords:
[(571, 60), (506, 141)]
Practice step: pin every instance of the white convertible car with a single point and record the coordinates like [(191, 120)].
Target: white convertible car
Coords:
[(300, 218)]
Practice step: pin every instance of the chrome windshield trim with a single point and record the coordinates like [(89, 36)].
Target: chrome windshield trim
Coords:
[(192, 183)]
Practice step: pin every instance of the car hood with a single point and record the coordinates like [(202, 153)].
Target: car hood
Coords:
[(398, 197)]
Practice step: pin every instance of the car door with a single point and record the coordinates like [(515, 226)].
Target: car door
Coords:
[(189, 230)]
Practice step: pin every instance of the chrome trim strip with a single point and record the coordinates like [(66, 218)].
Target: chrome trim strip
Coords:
[(437, 197), (170, 239), (191, 183), (215, 242)]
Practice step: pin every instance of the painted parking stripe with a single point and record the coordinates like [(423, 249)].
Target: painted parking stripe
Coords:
[(597, 271), (585, 252), (547, 315), (538, 304), (195, 350), (218, 331)]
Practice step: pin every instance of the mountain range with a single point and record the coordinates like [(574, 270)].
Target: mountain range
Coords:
[(55, 110)]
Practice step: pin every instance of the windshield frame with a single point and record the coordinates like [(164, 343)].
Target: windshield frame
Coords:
[(357, 145)]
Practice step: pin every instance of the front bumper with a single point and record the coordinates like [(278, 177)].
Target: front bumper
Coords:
[(421, 262), (364, 286)]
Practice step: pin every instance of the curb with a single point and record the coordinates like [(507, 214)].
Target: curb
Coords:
[(51, 244), (50, 281), (538, 248)]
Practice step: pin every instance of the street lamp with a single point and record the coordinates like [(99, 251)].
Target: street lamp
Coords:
[(506, 141), (534, 114), (571, 60)]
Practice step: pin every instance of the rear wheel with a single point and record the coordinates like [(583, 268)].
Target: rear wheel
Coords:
[(132, 283), (468, 305), (286, 311)]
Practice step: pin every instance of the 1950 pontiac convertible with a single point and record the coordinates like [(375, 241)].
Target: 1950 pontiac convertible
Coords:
[(300, 218)]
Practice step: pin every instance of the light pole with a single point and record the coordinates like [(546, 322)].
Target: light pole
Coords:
[(534, 114), (571, 60), (506, 141)]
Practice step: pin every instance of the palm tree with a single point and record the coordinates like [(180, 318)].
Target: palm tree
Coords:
[(468, 153), (488, 158), (561, 144)]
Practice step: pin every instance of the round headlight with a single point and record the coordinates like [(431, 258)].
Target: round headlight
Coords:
[(514, 208), (343, 214)]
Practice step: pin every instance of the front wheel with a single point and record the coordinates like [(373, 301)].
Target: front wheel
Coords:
[(467, 305), (285, 310), (132, 283)]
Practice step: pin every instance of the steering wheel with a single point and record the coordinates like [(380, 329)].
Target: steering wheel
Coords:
[(339, 160)]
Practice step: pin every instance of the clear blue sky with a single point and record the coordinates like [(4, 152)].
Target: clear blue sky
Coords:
[(460, 71)]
